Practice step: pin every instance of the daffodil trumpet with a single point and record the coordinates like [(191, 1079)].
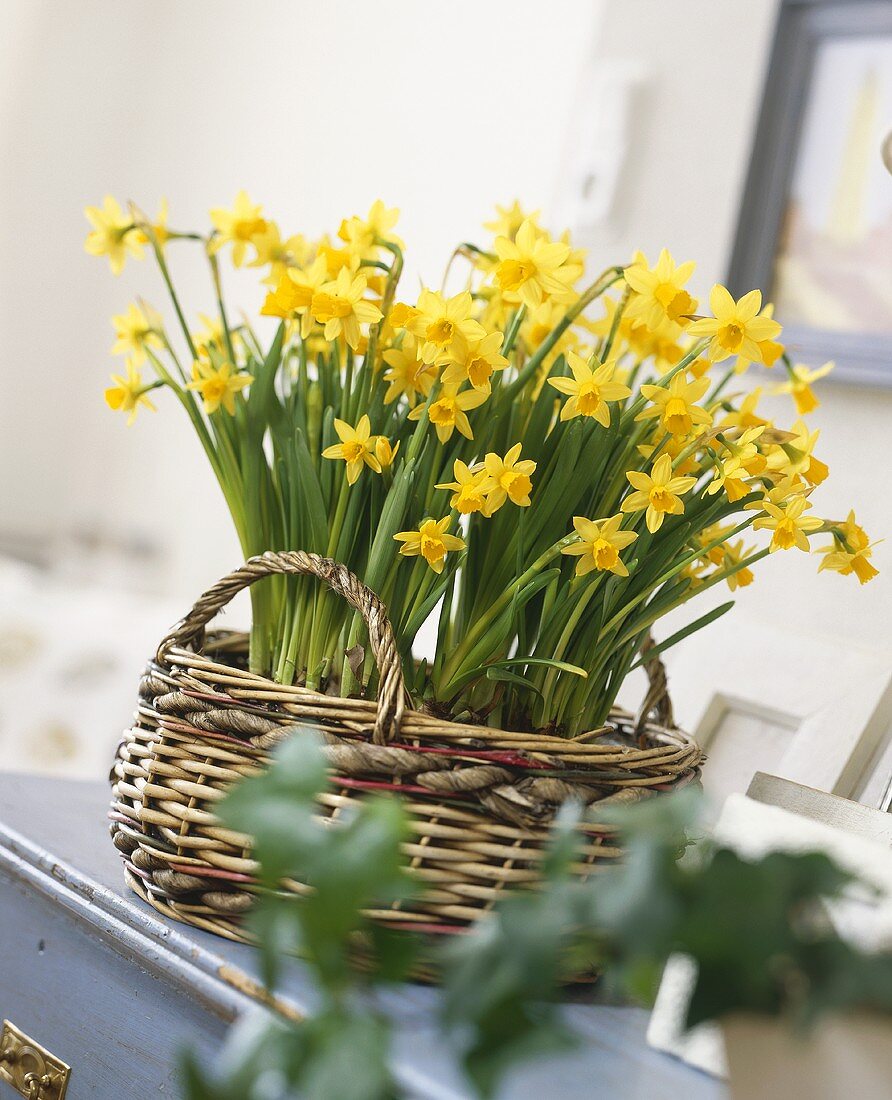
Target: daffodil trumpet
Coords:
[(541, 465)]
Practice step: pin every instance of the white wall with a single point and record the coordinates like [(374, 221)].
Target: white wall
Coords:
[(703, 66), (317, 109)]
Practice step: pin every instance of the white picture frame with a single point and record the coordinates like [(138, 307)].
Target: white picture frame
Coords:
[(764, 697)]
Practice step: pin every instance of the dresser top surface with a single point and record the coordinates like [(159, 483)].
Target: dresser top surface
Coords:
[(57, 829)]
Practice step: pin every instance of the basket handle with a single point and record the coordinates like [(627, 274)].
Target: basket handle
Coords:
[(391, 689), (656, 701)]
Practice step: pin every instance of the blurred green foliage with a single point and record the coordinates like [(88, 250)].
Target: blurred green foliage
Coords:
[(757, 931)]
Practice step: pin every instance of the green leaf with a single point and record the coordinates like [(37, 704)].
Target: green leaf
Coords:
[(680, 635), (563, 666), (262, 391), (502, 675)]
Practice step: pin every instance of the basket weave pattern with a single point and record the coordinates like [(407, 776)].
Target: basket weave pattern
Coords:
[(480, 799)]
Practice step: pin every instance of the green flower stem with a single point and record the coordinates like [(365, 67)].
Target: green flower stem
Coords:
[(677, 568), (599, 286), (146, 228), (722, 575), (459, 659), (218, 291)]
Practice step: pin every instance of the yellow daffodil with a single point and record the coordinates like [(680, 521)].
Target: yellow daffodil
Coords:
[(532, 267), (846, 563), (853, 534), (127, 394), (385, 451), (599, 545), (238, 227), (794, 455), (468, 488), (212, 335), (362, 233), (736, 327), (113, 234), (357, 448), (733, 556), (136, 330), (539, 323), (789, 525), (293, 295), (478, 364), (675, 404), (769, 350), (509, 219), (659, 291), (217, 385), (431, 542), (340, 259), (407, 374), (402, 315), (444, 326), (510, 478), (780, 493), (589, 389), (278, 254), (449, 411), (799, 385), (341, 308), (745, 449), (731, 476), (158, 227), (744, 415), (850, 551), (673, 447), (659, 492)]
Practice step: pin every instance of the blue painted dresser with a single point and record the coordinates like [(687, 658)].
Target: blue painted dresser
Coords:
[(99, 980)]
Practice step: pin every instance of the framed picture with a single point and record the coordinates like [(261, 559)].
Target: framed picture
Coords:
[(815, 230)]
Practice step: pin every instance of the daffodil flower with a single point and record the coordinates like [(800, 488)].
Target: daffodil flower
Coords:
[(127, 394), (676, 406), (217, 385), (362, 233), (799, 385), (848, 562), (733, 556), (238, 227), (158, 227), (659, 492), (407, 374), (477, 365), (659, 291), (431, 542), (113, 234), (357, 448), (449, 411), (509, 478), (385, 451), (590, 390), (532, 267), (341, 308), (599, 545), (468, 488), (736, 327), (509, 219), (444, 326), (136, 330), (789, 525)]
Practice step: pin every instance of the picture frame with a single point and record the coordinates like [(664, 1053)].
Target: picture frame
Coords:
[(809, 708), (804, 28)]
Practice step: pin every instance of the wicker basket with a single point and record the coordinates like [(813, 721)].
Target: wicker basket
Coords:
[(480, 799)]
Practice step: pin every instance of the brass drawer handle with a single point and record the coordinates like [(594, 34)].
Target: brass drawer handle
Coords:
[(30, 1068)]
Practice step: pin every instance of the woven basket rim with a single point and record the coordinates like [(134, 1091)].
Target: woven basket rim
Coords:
[(417, 725)]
